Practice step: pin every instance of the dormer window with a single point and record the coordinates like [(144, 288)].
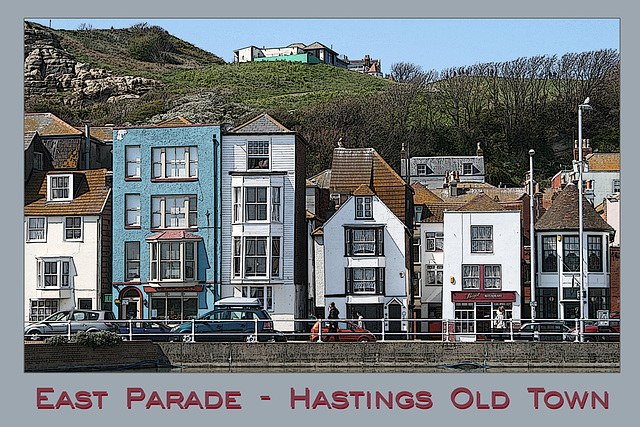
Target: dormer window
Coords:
[(422, 170), (363, 207), (467, 169), (258, 155), (60, 188)]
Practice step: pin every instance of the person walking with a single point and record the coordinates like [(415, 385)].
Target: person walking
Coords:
[(333, 325), (360, 321)]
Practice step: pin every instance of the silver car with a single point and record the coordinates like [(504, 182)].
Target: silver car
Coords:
[(78, 320)]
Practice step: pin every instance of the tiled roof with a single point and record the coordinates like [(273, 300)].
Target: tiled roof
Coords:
[(563, 214), (103, 133), (90, 194), (318, 45), (603, 161), (47, 124), (363, 190), (497, 194), (423, 195), (174, 235), (434, 212), (264, 123), (481, 203), (175, 121)]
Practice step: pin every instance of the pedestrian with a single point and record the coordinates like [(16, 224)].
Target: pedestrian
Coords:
[(333, 325), (499, 322), (360, 321)]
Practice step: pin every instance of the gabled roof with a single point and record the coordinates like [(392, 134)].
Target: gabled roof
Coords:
[(563, 214), (364, 190), (423, 195), (47, 124), (90, 194), (174, 235), (603, 161), (264, 123), (434, 212), (318, 45), (322, 179), (481, 203), (103, 133), (175, 121), (29, 137)]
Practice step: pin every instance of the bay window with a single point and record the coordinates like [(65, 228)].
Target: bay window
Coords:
[(257, 257), (173, 261), (54, 273), (365, 280)]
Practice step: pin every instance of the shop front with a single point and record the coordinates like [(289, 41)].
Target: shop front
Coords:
[(482, 315)]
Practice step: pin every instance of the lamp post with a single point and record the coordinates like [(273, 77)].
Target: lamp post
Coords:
[(584, 106), (532, 237)]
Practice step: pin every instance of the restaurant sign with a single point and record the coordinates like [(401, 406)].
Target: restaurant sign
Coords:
[(505, 296)]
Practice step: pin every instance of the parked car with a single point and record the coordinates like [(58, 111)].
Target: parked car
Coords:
[(232, 319), (144, 330), (79, 320), (346, 331), (601, 330), (543, 331)]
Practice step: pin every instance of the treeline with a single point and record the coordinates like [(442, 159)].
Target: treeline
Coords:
[(507, 107)]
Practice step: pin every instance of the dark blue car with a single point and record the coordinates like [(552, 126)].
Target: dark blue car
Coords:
[(144, 330)]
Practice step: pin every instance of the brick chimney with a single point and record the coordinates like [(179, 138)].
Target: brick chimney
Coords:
[(586, 149)]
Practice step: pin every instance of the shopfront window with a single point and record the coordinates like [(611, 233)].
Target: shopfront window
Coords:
[(174, 305)]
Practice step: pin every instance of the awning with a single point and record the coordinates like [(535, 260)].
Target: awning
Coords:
[(485, 296)]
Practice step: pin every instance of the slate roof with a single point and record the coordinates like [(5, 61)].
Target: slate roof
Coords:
[(28, 138), (481, 203), (563, 214), (47, 124), (174, 235), (322, 179), (422, 195), (103, 133), (352, 167), (264, 123), (90, 194)]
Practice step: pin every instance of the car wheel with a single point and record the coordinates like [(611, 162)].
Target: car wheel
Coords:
[(363, 339), (251, 338), (34, 336), (187, 338)]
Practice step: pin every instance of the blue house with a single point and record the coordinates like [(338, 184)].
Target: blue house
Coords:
[(166, 220)]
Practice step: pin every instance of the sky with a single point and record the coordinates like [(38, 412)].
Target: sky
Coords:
[(434, 44)]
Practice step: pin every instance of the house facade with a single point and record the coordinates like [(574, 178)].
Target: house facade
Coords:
[(67, 229), (166, 222), (557, 283), (444, 171), (297, 52), (264, 228), (364, 248), (481, 268)]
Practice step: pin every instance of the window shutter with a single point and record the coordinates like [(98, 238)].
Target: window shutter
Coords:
[(380, 241)]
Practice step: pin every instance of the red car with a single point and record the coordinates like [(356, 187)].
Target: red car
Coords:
[(599, 332), (346, 332)]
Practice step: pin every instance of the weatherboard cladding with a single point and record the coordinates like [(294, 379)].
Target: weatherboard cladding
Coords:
[(90, 194), (563, 214)]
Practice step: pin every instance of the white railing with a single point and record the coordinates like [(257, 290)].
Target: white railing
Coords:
[(250, 330)]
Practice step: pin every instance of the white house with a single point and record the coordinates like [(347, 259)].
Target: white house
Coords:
[(482, 266), (67, 220), (264, 243), (364, 253)]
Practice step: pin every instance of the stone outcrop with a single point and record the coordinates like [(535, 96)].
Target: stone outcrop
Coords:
[(49, 69)]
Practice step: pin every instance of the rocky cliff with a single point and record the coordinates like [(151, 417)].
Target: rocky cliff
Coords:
[(49, 69)]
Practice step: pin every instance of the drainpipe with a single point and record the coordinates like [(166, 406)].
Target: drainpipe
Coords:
[(87, 136)]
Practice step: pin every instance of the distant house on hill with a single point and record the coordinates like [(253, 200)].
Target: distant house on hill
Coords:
[(366, 66), (314, 53)]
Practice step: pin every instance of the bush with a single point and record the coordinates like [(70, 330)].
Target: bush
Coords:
[(99, 339), (56, 340)]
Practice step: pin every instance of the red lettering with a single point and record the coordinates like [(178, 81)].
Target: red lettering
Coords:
[(99, 395), (458, 391), (535, 391), (154, 400), (83, 400), (192, 400), (340, 400), (594, 397), (64, 399), (175, 397), (423, 400), (304, 398), (576, 397), (494, 400), (357, 395), (478, 404), (41, 398), (321, 399), (388, 401), (404, 403), (134, 394), (556, 405), (208, 395), (231, 401)]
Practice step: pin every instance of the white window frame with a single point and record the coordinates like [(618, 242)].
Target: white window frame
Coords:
[(237, 204), (130, 261), (272, 259), (434, 241), (421, 169), (174, 162), (259, 150), (52, 193), (615, 186), (256, 256), (434, 276), (63, 274), (263, 293), (492, 277), (256, 204), (178, 264), (132, 208), (364, 207), (276, 204), (188, 213), (36, 228), (79, 228), (467, 169), (480, 242), (132, 156)]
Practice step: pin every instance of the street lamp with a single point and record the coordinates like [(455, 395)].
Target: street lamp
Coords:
[(584, 106), (532, 238)]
